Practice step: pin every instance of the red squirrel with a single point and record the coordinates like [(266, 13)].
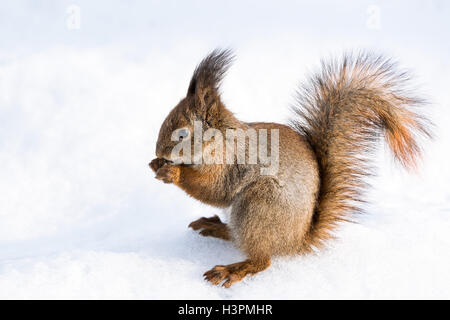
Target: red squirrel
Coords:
[(323, 157)]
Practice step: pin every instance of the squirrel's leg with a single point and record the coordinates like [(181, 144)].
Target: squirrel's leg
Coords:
[(263, 225), (235, 272), (252, 232), (211, 227)]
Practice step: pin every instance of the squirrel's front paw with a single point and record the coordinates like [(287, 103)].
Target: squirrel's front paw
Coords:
[(157, 164), (168, 173)]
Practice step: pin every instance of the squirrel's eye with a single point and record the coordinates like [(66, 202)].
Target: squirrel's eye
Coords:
[(183, 133)]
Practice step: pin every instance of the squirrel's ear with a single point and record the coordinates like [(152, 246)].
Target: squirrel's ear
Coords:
[(205, 100), (205, 82), (207, 104)]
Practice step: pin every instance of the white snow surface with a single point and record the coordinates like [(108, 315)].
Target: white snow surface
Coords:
[(81, 215)]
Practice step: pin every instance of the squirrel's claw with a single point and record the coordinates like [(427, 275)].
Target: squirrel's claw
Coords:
[(211, 227), (235, 272), (216, 275), (219, 273), (204, 222)]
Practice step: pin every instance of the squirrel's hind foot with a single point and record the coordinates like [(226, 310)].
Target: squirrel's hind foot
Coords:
[(235, 272), (211, 227)]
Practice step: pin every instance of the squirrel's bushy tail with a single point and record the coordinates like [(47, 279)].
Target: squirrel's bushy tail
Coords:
[(342, 112)]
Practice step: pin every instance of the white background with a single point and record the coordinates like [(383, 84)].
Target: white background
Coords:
[(81, 102)]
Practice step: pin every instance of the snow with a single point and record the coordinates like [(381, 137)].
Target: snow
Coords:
[(81, 215)]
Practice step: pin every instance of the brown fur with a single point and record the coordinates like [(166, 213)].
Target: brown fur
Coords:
[(211, 227), (342, 111), (322, 158)]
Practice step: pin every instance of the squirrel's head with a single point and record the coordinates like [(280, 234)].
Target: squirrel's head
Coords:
[(202, 103)]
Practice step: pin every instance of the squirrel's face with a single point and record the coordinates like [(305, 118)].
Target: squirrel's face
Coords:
[(188, 115), (178, 125), (202, 103)]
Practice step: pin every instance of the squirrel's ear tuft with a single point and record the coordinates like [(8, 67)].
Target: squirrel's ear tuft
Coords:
[(210, 72)]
